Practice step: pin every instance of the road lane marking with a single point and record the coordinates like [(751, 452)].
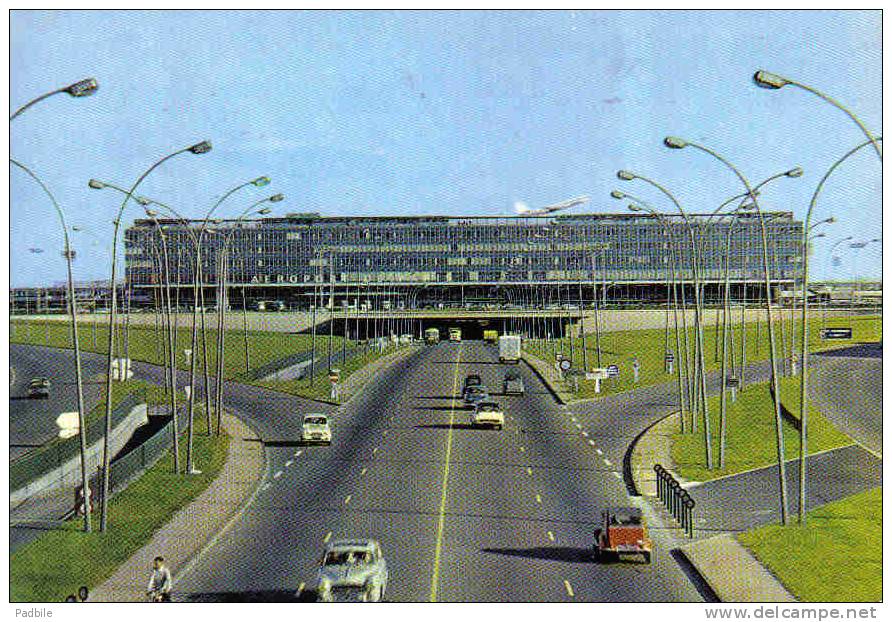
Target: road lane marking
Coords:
[(600, 453), (347, 500), (522, 448), (573, 419), (326, 538), (265, 486), (300, 589), (578, 426), (277, 475), (607, 462), (585, 434), (364, 471), (375, 450), (298, 452), (538, 499), (551, 536), (569, 588), (288, 463), (617, 475), (438, 549), (529, 471), (591, 442)]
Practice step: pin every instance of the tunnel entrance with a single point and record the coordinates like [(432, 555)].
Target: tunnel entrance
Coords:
[(363, 326)]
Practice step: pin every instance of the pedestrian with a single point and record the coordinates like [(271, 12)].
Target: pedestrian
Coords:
[(160, 583)]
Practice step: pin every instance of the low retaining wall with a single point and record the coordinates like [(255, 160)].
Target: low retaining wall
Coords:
[(68, 474)]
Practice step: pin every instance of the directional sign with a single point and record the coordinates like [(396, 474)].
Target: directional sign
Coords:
[(565, 364), (598, 373), (670, 357), (732, 382), (836, 333), (612, 371)]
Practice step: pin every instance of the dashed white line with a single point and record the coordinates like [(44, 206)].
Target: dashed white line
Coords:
[(551, 536), (522, 448), (300, 589), (573, 419), (265, 486), (277, 475), (529, 471), (538, 499), (591, 442), (347, 500), (578, 426), (375, 450), (288, 463), (364, 471), (326, 538), (600, 453), (607, 462), (569, 588), (617, 475), (585, 434)]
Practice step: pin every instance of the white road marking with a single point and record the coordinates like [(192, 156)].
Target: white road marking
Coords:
[(573, 419), (347, 500), (288, 463), (617, 474), (585, 434), (551, 536), (300, 589), (522, 448), (569, 588), (298, 452), (277, 475), (326, 538), (607, 462), (578, 426), (265, 486), (529, 471), (364, 471), (591, 442), (600, 453), (538, 499), (375, 450)]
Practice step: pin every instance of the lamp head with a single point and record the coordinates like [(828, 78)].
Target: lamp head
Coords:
[(634, 208), (819, 235), (95, 184), (795, 172), (202, 147), (264, 211), (276, 198), (142, 201), (673, 142), (151, 213), (768, 80), (261, 181), (83, 88), (625, 175), (617, 194)]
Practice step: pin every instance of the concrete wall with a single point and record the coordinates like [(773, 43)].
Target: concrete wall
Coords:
[(69, 474)]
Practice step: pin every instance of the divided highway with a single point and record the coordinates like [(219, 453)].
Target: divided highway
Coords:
[(462, 514)]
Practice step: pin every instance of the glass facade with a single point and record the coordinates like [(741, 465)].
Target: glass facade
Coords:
[(294, 253)]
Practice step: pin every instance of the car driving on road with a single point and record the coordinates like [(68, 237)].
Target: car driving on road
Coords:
[(471, 380), (488, 414), (513, 383), (474, 395), (352, 571), (315, 429), (39, 388)]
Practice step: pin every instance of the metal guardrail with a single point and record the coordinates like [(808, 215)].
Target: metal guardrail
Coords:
[(55, 454), (676, 499)]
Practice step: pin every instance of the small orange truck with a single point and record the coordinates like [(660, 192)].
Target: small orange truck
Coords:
[(622, 532)]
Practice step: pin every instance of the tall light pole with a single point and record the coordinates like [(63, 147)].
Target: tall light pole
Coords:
[(677, 143), (198, 148), (772, 81), (68, 253), (82, 88), (803, 380)]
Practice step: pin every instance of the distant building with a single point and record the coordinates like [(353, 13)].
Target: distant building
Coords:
[(621, 257)]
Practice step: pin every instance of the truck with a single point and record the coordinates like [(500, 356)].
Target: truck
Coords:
[(509, 349), (490, 336), (432, 336), (454, 334)]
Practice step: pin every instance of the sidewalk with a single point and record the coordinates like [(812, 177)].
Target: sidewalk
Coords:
[(185, 535)]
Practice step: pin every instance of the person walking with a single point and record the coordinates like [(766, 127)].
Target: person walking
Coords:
[(160, 582)]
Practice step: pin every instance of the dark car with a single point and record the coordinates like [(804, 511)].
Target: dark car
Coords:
[(471, 380), (474, 395), (39, 388), (513, 383)]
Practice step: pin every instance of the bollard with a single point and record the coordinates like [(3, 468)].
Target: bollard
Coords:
[(689, 508)]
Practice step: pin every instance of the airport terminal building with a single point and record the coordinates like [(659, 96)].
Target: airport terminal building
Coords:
[(622, 258)]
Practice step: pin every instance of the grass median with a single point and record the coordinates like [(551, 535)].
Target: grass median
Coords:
[(751, 434), (648, 347), (836, 557), (60, 561)]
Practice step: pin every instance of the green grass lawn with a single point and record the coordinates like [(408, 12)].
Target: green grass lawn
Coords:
[(648, 346), (751, 434), (60, 561), (146, 344), (835, 557)]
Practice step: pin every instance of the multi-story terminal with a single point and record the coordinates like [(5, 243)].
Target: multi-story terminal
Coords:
[(432, 260)]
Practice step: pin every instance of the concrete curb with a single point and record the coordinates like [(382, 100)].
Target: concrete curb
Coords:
[(194, 528), (536, 364)]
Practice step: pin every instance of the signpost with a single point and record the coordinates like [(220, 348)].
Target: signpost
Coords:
[(733, 383), (613, 371), (670, 359), (836, 333), (334, 376), (636, 370), (597, 374)]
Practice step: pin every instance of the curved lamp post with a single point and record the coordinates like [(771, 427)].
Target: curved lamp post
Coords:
[(198, 148), (698, 309), (72, 308), (677, 143), (82, 88), (803, 412), (772, 81)]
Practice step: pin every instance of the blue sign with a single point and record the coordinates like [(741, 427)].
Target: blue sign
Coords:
[(612, 371)]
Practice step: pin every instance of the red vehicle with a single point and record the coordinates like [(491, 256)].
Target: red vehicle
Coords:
[(622, 532)]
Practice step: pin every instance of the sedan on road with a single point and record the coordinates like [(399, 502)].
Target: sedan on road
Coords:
[(352, 571), (315, 429), (474, 395), (39, 388), (488, 414)]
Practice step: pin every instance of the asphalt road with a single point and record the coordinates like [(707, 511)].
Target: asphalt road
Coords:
[(461, 514), (32, 422)]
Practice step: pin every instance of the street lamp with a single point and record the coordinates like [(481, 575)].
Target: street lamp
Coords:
[(68, 253), (82, 88), (199, 148), (677, 143), (772, 81)]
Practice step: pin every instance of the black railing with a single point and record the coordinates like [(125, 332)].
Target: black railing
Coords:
[(676, 499)]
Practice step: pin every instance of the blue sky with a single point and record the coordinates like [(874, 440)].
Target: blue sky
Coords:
[(435, 113)]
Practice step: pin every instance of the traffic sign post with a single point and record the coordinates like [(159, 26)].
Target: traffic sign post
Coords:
[(733, 383), (669, 360), (613, 371), (597, 374), (334, 377), (836, 333), (636, 369)]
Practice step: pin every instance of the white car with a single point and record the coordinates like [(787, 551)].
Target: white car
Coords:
[(352, 571), (315, 429), (488, 414)]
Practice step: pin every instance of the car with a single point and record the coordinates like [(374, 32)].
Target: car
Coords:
[(622, 532), (315, 429), (471, 380), (39, 388), (474, 395), (352, 571), (488, 414), (513, 383)]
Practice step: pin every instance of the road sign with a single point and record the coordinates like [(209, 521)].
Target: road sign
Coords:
[(334, 375), (670, 357), (565, 364), (612, 371), (598, 373), (836, 333), (68, 423), (732, 382)]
